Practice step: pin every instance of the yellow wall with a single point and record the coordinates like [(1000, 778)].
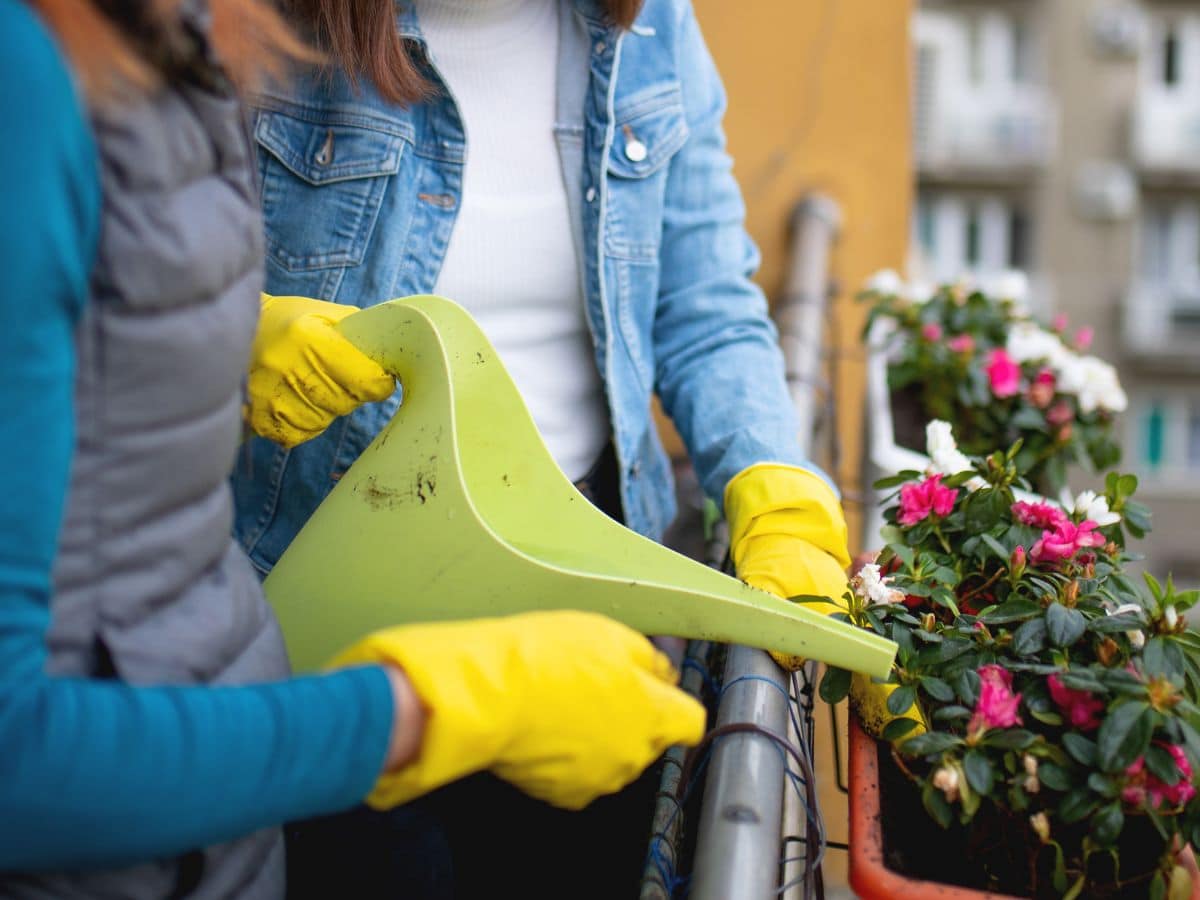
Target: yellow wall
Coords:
[(818, 99)]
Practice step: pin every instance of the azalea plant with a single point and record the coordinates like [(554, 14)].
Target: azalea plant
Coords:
[(1045, 701), (980, 361)]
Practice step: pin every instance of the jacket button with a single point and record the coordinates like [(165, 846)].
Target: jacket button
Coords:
[(590, 195), (635, 151)]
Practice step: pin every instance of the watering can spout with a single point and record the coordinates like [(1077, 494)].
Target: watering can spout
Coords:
[(457, 510)]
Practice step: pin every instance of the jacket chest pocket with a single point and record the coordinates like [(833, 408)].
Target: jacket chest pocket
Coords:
[(650, 128), (322, 186)]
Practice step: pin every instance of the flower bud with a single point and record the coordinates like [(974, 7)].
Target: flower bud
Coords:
[(1108, 651), (1070, 593), (1029, 761), (928, 621), (945, 780), (1040, 825), (1016, 562), (1171, 617)]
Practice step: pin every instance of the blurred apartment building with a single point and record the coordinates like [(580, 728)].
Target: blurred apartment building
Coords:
[(1062, 138)]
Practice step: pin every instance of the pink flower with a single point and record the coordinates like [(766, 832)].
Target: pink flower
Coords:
[(917, 501), (1039, 515), (1142, 783), (1059, 323), (1065, 540), (1080, 707), (1003, 373), (997, 704), (1084, 337), (1041, 392), (1060, 413), (961, 343), (931, 331)]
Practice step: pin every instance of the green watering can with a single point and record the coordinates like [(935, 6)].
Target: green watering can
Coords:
[(457, 511)]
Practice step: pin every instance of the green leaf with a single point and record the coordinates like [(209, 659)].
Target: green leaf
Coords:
[(1161, 764), (835, 685), (1054, 776), (1155, 587), (929, 743), (904, 553), (892, 481), (1082, 750), (1077, 805), (1107, 786), (1158, 887), (1127, 485), (1015, 610), (1076, 889), (1009, 738), (996, 547), (901, 700), (1046, 717), (937, 689), (897, 728), (980, 772), (1107, 823), (966, 684), (1064, 626), (936, 805), (950, 713), (1030, 638), (1123, 736)]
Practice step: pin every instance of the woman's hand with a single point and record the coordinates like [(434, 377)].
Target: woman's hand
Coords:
[(303, 373)]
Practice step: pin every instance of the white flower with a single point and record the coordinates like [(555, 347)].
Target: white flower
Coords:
[(1029, 342), (944, 456), (871, 585), (1171, 616), (1040, 825), (917, 292), (1093, 381), (1011, 285), (1091, 506), (885, 281)]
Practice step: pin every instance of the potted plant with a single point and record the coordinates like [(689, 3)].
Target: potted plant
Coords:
[(1046, 724), (977, 359)]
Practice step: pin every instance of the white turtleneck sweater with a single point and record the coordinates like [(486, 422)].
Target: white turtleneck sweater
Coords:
[(512, 261)]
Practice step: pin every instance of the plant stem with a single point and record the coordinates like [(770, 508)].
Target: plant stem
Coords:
[(987, 584)]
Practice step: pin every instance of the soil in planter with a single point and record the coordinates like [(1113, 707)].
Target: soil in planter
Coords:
[(1000, 853)]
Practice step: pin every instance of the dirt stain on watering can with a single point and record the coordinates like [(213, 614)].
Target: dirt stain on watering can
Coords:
[(421, 488)]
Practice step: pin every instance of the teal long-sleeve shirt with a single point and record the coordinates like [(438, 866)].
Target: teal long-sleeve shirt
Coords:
[(96, 773)]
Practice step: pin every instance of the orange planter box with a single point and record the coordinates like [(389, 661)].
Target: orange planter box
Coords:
[(870, 878)]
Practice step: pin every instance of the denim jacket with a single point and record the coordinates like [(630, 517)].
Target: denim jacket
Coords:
[(360, 198)]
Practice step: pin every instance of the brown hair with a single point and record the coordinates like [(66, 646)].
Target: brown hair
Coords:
[(119, 47), (360, 37)]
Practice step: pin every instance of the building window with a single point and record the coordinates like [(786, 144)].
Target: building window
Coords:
[(1170, 56), (1170, 257), (969, 235), (1193, 437), (1165, 435), (1154, 437), (1018, 240)]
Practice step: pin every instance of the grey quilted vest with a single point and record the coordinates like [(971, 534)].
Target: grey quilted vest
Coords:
[(149, 586)]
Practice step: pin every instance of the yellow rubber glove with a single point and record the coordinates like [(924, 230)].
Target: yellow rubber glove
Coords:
[(565, 705), (303, 373), (787, 536)]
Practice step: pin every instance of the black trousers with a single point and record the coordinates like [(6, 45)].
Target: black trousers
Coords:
[(480, 837)]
